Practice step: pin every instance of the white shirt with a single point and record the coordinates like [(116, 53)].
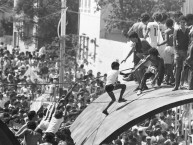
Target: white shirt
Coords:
[(112, 76), (176, 26), (182, 143), (42, 51), (43, 125), (153, 33), (54, 124), (51, 88)]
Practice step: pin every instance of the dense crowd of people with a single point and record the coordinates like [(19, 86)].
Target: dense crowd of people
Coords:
[(163, 52), (162, 49), (156, 130), (27, 76)]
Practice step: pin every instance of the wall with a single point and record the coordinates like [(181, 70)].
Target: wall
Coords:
[(89, 25), (187, 7), (111, 46)]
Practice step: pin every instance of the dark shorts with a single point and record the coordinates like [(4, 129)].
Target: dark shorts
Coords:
[(109, 88)]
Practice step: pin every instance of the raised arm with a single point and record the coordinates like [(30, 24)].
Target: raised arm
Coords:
[(144, 61), (147, 32), (130, 30), (21, 129), (129, 54), (175, 38), (21, 134), (165, 41)]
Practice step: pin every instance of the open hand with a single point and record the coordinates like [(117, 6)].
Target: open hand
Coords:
[(123, 61)]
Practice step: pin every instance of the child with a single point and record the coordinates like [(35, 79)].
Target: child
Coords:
[(169, 51), (155, 69), (111, 85)]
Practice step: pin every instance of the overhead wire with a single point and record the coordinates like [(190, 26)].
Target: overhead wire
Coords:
[(82, 13)]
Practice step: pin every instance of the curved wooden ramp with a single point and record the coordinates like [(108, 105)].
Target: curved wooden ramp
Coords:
[(92, 127)]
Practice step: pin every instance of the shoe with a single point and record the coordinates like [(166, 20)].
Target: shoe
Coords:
[(158, 86), (129, 78), (182, 87), (105, 112), (139, 92), (165, 82), (145, 88), (172, 81), (136, 89), (168, 83), (122, 100), (174, 89)]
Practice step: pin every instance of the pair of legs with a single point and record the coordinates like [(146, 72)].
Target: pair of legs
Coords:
[(140, 72), (184, 77), (169, 73), (148, 75), (109, 89), (179, 59), (190, 86)]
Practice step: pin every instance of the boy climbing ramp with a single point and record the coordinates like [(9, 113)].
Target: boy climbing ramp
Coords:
[(112, 85)]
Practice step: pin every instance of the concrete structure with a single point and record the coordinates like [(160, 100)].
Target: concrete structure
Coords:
[(104, 47), (187, 6)]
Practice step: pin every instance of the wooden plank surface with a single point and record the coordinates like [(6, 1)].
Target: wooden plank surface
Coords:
[(92, 127)]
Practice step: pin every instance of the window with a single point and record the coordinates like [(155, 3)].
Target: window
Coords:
[(85, 6), (89, 5), (81, 5)]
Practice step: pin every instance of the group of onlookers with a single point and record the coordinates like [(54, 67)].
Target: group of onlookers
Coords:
[(162, 50)]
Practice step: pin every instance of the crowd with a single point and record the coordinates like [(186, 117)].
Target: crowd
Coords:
[(27, 76), (156, 130), (162, 49)]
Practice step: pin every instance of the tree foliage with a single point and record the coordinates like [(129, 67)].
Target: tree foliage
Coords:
[(48, 14), (125, 12), (6, 23), (6, 3)]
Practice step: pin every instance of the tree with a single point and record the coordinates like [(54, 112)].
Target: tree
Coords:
[(6, 3), (126, 12), (6, 23), (167, 5), (45, 15)]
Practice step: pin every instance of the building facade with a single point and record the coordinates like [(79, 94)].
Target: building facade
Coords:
[(102, 47), (187, 6)]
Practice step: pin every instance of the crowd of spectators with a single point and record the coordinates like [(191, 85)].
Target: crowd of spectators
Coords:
[(27, 76), (157, 130)]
